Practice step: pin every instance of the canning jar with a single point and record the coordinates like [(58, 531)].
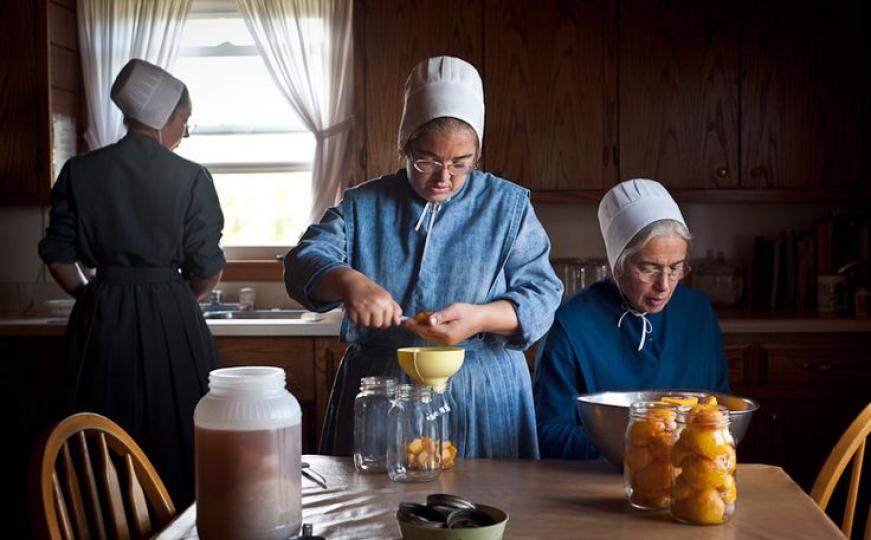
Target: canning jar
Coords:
[(647, 467), (703, 492), (247, 451), (412, 451), (370, 423), (445, 408)]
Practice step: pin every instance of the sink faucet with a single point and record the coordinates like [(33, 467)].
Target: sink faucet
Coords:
[(216, 296)]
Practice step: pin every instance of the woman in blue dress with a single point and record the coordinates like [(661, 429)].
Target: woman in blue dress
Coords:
[(436, 236), (642, 330)]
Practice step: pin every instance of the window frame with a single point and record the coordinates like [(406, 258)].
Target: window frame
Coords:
[(249, 262)]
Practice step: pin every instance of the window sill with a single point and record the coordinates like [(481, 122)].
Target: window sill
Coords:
[(253, 270)]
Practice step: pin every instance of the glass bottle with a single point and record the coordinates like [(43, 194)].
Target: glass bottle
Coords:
[(703, 491), (647, 467), (412, 428), (247, 446), (445, 408), (370, 423)]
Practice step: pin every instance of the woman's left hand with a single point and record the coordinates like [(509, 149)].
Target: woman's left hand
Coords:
[(449, 326)]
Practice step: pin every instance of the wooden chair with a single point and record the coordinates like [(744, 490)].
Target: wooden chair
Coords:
[(851, 446), (80, 493)]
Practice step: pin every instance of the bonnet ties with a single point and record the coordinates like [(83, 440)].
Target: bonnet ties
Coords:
[(434, 209), (646, 326)]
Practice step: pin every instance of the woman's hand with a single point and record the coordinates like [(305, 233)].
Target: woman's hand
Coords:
[(458, 322), (366, 303)]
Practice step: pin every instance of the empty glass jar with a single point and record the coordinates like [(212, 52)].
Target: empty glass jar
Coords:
[(370, 423), (413, 453)]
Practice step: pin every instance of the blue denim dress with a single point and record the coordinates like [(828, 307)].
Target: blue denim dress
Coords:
[(482, 245)]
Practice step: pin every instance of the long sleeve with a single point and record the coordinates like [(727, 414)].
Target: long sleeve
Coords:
[(59, 243), (558, 379), (322, 248), (203, 224), (532, 285)]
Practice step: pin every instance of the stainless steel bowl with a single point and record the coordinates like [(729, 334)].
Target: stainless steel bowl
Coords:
[(605, 415)]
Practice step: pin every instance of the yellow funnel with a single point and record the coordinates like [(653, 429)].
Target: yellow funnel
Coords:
[(431, 366)]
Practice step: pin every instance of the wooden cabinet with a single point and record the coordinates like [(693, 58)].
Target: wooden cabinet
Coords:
[(24, 105), (721, 101), (547, 79), (804, 88), (393, 36), (310, 365), (809, 386), (678, 92)]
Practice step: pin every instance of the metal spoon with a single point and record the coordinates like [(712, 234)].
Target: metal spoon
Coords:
[(313, 475)]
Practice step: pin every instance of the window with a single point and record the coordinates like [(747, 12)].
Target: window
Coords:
[(245, 132)]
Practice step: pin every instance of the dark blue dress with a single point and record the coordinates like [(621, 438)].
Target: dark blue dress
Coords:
[(137, 347), (585, 352)]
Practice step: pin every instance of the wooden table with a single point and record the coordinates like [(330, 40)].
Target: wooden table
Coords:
[(545, 499)]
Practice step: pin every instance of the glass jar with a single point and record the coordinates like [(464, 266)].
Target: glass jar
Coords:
[(703, 492), (412, 451), (445, 408), (647, 467), (247, 451), (370, 423)]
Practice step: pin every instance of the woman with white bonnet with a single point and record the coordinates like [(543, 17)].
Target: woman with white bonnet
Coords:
[(149, 221), (641, 330), (436, 236)]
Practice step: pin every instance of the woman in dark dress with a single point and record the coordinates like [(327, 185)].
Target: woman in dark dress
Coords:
[(149, 222)]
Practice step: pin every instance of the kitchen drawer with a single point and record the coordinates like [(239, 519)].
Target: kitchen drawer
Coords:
[(831, 366), (294, 355)]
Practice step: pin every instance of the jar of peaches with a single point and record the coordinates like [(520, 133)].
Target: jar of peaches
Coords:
[(413, 450), (703, 492), (647, 462)]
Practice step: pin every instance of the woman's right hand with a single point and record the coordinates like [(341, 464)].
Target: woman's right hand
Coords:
[(366, 303)]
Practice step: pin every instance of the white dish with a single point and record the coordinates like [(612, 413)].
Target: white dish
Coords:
[(60, 307)]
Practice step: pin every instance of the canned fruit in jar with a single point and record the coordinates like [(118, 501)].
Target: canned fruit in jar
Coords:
[(647, 460), (421, 454), (449, 454), (705, 507), (704, 490)]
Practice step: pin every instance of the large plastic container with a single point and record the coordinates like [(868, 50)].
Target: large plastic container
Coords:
[(247, 446)]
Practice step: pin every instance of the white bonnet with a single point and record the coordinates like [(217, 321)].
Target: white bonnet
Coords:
[(629, 207), (146, 93), (442, 86)]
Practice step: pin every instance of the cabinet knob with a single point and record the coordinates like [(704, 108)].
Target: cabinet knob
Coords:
[(757, 171), (773, 417), (722, 172)]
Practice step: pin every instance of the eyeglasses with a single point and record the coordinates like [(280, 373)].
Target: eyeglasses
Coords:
[(651, 273), (428, 166)]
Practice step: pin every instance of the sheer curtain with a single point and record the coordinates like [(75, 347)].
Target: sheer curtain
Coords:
[(111, 32), (308, 49)]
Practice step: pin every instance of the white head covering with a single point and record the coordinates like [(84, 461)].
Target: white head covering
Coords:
[(629, 207), (146, 93), (442, 86)]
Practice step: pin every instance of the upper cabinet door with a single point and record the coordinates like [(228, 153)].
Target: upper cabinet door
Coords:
[(678, 88), (24, 119), (546, 81), (398, 35), (803, 82)]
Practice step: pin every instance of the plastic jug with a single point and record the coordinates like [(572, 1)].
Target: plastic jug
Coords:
[(248, 453)]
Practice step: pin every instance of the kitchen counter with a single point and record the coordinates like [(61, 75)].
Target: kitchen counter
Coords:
[(731, 322), (328, 326)]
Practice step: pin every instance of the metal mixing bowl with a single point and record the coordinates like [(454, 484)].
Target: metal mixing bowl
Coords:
[(604, 416)]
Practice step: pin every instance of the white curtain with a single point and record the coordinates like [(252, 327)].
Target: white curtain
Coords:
[(111, 32), (307, 46)]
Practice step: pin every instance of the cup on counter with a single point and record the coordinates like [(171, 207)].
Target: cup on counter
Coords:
[(247, 297), (832, 293)]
